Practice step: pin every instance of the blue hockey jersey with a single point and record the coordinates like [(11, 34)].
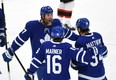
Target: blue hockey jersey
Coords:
[(95, 70), (2, 22), (56, 57), (38, 33)]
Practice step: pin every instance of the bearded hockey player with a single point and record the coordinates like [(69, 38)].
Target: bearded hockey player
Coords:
[(38, 31), (57, 56)]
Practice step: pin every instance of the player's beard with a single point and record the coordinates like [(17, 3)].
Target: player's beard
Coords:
[(47, 22)]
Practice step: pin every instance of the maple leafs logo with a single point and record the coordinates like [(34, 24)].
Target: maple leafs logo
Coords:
[(46, 38)]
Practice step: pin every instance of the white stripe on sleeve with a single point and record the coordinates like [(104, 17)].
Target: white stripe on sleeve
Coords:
[(37, 60), (21, 39), (34, 65), (82, 58)]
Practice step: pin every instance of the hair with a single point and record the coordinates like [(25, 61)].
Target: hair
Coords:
[(57, 39), (84, 30)]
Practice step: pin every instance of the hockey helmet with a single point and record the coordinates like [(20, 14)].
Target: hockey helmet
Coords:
[(83, 23), (46, 10), (57, 32)]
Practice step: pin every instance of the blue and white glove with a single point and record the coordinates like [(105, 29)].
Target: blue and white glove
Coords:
[(2, 40), (29, 76), (74, 65), (8, 55)]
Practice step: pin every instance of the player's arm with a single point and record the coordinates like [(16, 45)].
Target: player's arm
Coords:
[(23, 36), (74, 63), (17, 43), (70, 35), (101, 50), (81, 55), (2, 35), (36, 62)]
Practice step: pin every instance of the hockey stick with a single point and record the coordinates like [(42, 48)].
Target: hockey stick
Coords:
[(8, 66)]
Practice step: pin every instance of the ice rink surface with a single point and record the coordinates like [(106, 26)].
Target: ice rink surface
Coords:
[(102, 16)]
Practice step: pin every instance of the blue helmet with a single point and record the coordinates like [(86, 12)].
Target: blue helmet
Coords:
[(83, 23), (57, 32), (46, 10)]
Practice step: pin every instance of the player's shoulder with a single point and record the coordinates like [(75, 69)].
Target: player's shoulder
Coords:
[(66, 44), (56, 21), (97, 33), (32, 22), (81, 38), (47, 43)]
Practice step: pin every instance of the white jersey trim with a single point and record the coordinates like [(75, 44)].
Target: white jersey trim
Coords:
[(34, 65), (8, 54), (69, 35), (1, 28), (37, 60), (66, 33), (89, 35), (77, 56), (91, 78), (18, 43), (82, 59), (2, 34), (21, 39)]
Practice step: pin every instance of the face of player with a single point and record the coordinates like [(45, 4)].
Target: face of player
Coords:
[(78, 30), (48, 18)]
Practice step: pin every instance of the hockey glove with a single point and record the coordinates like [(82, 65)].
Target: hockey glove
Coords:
[(74, 65), (2, 40), (29, 75), (8, 55)]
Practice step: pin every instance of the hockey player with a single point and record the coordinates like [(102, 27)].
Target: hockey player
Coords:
[(57, 56), (38, 31), (2, 24), (95, 70), (65, 12)]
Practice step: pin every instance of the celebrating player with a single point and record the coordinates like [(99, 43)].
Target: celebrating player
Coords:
[(95, 70), (38, 31), (57, 55)]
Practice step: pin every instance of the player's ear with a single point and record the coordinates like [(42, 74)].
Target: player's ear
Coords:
[(78, 29)]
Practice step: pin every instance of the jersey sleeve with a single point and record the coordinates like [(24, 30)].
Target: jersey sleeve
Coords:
[(57, 22), (70, 35), (23, 36), (81, 55), (102, 49), (2, 23), (37, 60)]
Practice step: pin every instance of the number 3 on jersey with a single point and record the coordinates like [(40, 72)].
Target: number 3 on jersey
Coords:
[(52, 64)]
